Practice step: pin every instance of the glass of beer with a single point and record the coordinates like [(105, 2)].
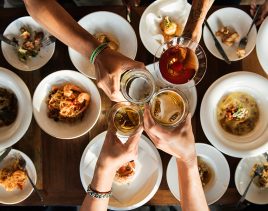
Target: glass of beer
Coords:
[(126, 118), (169, 107), (137, 86), (182, 63)]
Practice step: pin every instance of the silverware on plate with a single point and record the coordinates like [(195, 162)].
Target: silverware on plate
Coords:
[(22, 164), (244, 41), (5, 153), (217, 44), (257, 172), (8, 41), (266, 156)]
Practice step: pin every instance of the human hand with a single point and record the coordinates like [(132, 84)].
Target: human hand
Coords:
[(262, 13), (114, 154), (109, 66), (178, 142)]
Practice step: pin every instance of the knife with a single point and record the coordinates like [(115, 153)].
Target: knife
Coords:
[(218, 45), (5, 153), (8, 41)]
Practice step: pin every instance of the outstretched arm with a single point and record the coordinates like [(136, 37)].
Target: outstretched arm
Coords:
[(193, 27), (109, 64)]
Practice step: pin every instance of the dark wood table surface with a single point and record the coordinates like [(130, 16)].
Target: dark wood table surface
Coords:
[(57, 161)]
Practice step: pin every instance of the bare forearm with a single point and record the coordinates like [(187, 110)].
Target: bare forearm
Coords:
[(196, 18), (60, 24), (191, 191), (102, 182)]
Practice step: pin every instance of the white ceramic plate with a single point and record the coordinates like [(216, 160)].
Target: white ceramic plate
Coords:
[(255, 194), (14, 132), (59, 129), (150, 32), (10, 53), (261, 45), (16, 196), (238, 20), (190, 93), (220, 181), (237, 146), (110, 24), (144, 185)]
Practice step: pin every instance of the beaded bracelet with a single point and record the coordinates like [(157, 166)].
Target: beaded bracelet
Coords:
[(99, 195), (97, 51)]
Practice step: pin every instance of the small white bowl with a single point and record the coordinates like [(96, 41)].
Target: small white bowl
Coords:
[(145, 183), (17, 196), (111, 24), (14, 132), (10, 53), (243, 170), (219, 181), (250, 144), (238, 20), (64, 130)]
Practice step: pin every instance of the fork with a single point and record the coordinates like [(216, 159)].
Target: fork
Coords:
[(266, 156), (22, 164), (48, 40), (244, 41), (257, 172)]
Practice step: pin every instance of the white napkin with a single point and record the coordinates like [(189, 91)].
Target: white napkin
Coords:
[(175, 9), (146, 166)]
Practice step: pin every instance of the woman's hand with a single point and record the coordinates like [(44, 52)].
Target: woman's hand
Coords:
[(178, 142), (262, 13), (109, 66)]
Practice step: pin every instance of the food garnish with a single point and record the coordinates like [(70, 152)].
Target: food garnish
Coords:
[(169, 28), (262, 179)]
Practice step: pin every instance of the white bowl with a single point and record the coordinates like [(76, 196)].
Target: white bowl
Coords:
[(237, 19), (255, 194), (14, 132), (220, 180), (10, 53), (261, 45), (145, 183), (107, 23), (237, 146), (64, 130), (150, 32), (17, 196)]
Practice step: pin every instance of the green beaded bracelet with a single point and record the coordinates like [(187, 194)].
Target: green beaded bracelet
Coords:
[(98, 195), (97, 51)]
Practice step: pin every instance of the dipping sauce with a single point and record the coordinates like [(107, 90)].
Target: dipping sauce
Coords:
[(178, 65), (238, 113)]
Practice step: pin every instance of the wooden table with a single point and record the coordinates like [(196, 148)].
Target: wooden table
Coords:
[(57, 161)]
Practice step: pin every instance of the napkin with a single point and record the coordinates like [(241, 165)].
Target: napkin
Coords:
[(146, 167)]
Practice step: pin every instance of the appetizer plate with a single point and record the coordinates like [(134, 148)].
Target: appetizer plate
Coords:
[(255, 194), (250, 144), (65, 130), (236, 19), (261, 47), (10, 53), (190, 93), (110, 24), (17, 196), (150, 32), (144, 185), (215, 189), (14, 132)]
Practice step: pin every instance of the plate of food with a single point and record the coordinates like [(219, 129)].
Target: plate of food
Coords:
[(66, 104), (161, 21), (105, 27), (261, 48), (258, 191), (15, 108), (135, 189), (234, 114), (14, 184), (190, 93), (213, 170), (30, 53), (229, 30)]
